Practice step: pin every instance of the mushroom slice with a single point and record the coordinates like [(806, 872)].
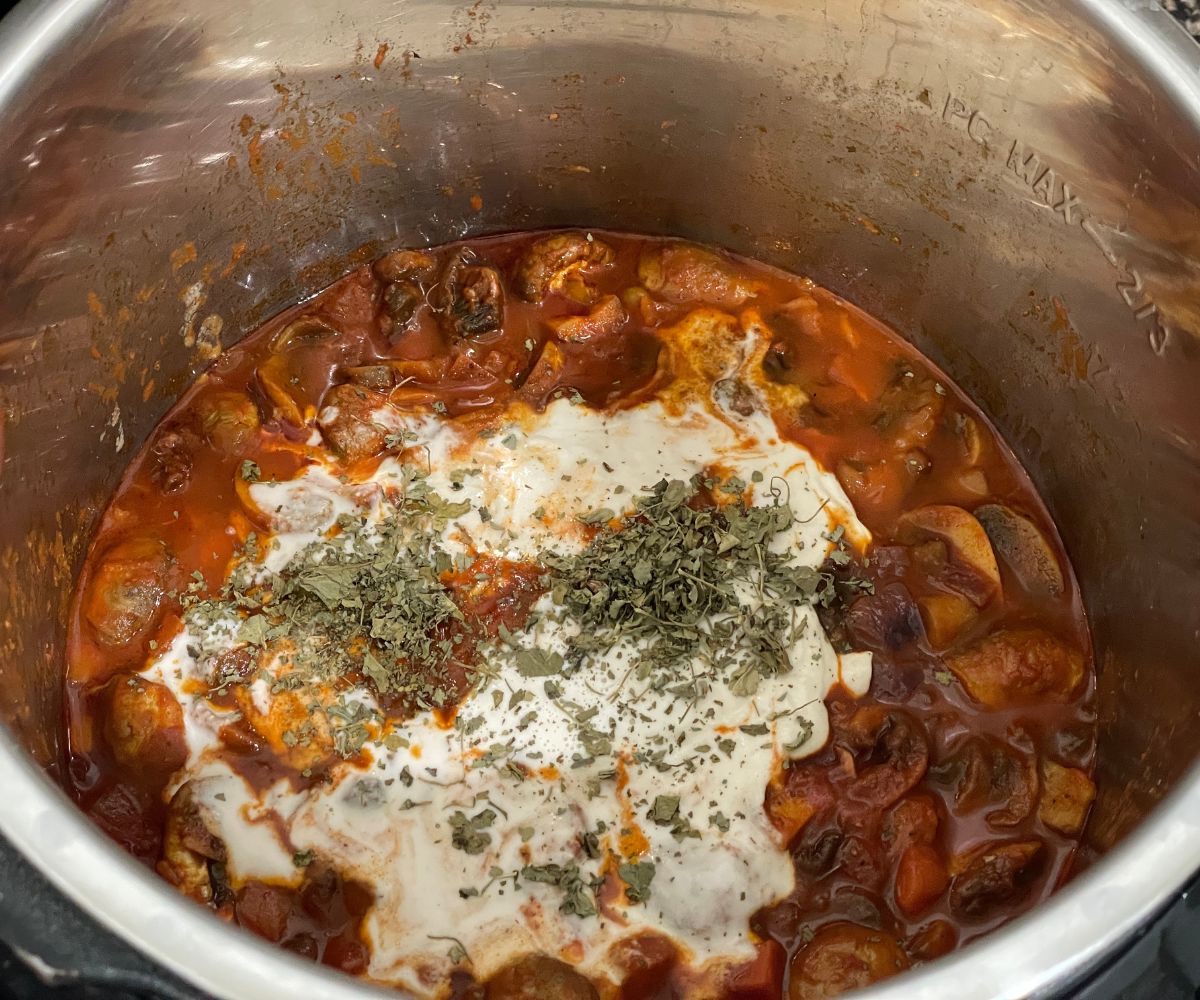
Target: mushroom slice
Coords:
[(995, 874), (405, 274), (278, 376), (1018, 667), (1024, 549), (228, 420), (684, 272), (307, 331), (605, 318), (535, 977), (543, 377), (273, 377), (890, 748), (144, 726), (934, 940), (843, 956), (189, 844), (883, 620), (401, 300), (305, 503), (559, 263), (471, 298), (970, 438), (966, 541), (380, 377), (735, 397), (990, 772), (171, 460), (910, 410), (350, 423), (402, 265), (288, 712), (911, 822), (126, 590)]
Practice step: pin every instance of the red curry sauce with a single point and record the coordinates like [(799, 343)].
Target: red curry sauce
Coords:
[(947, 800)]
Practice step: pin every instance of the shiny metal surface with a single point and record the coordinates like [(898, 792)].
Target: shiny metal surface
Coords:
[(1013, 184)]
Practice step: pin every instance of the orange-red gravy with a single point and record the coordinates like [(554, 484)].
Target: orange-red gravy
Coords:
[(899, 436)]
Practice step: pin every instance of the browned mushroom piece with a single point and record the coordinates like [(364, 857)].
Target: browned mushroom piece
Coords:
[(379, 378), (843, 956), (892, 747), (991, 773), (561, 263), (1067, 794), (735, 397), (349, 422), (307, 331), (879, 486), (171, 461), (289, 712), (1015, 784), (605, 318), (641, 304), (1018, 667), (683, 272), (883, 620), (539, 977), (645, 961), (228, 420), (909, 410), (1024, 549), (996, 874), (144, 726), (970, 438), (189, 845), (401, 299), (400, 265), (543, 377), (265, 909), (405, 274), (470, 298), (279, 375), (966, 543), (232, 665), (124, 595)]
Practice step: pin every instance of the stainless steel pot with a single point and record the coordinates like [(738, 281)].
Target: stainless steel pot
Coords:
[(1015, 184)]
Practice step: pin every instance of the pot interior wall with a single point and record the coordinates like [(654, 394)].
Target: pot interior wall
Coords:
[(987, 177)]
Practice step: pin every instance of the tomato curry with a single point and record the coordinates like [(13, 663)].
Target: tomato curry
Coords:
[(943, 800)]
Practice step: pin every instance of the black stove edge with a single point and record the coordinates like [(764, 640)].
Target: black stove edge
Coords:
[(1161, 963), (51, 950)]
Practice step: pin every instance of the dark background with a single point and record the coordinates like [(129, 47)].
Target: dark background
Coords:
[(1188, 11), (31, 913)]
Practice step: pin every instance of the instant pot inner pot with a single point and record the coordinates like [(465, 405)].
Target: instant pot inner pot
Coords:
[(994, 179)]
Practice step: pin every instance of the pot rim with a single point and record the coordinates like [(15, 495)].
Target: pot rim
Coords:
[(1051, 947)]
